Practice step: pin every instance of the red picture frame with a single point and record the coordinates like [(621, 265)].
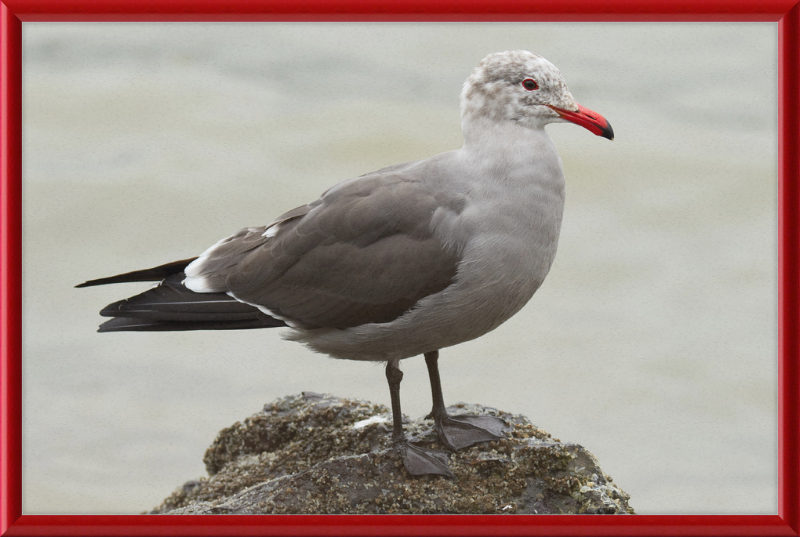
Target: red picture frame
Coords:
[(14, 12)]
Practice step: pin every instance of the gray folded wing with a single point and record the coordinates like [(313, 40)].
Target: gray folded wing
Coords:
[(363, 253)]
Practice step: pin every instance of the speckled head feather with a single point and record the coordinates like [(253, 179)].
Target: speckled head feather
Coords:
[(494, 90)]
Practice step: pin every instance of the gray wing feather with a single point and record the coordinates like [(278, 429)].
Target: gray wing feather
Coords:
[(363, 253)]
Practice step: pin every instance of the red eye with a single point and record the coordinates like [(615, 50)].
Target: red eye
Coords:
[(530, 84)]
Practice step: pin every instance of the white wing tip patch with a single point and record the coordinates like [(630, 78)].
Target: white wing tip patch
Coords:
[(195, 268), (271, 231), (198, 284)]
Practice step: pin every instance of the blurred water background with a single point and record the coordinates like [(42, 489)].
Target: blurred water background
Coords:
[(652, 342)]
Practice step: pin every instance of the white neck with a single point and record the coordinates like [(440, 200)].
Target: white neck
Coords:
[(508, 144)]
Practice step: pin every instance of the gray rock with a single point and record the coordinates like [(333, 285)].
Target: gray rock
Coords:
[(314, 453)]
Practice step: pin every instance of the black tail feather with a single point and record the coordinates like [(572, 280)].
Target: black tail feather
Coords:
[(148, 275), (171, 306), (172, 301), (131, 324)]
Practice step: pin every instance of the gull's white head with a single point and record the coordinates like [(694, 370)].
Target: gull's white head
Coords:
[(523, 87)]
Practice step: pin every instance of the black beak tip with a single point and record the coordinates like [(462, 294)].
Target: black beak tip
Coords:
[(608, 132)]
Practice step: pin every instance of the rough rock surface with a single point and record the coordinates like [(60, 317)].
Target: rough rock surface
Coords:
[(314, 453)]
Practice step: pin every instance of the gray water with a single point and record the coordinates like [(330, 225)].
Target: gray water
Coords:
[(652, 342)]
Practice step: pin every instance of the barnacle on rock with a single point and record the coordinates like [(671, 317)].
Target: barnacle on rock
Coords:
[(305, 454)]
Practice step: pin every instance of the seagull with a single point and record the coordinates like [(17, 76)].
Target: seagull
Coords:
[(400, 262)]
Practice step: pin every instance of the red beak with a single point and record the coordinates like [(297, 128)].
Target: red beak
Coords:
[(588, 120)]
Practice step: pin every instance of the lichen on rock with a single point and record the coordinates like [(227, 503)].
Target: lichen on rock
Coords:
[(317, 454)]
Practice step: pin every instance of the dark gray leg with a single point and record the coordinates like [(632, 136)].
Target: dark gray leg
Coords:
[(457, 432), (417, 461)]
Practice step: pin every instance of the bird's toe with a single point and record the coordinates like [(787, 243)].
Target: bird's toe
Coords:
[(458, 432), (419, 461)]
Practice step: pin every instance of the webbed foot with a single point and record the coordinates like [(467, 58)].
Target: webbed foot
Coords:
[(419, 461), (458, 432)]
